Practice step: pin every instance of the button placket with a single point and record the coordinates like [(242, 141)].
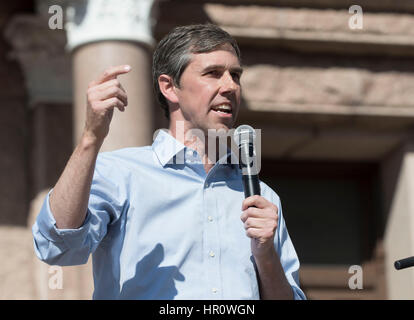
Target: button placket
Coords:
[(212, 245)]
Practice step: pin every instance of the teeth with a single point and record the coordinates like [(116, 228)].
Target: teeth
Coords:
[(224, 107)]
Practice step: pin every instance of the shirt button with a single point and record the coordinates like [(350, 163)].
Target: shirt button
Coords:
[(212, 254), (207, 184), (214, 290), (210, 218)]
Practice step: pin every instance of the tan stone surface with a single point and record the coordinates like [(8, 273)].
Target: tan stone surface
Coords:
[(399, 235), (324, 86), (308, 19), (16, 253), (77, 281)]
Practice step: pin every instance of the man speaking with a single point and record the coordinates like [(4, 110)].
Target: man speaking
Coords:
[(170, 221)]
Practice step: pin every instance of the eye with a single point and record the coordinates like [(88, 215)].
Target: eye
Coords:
[(213, 73), (236, 76)]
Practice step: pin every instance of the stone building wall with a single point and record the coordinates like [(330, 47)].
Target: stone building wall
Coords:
[(323, 91)]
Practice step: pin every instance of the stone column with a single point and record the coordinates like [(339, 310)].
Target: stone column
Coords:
[(99, 34), (104, 33), (398, 186), (45, 65)]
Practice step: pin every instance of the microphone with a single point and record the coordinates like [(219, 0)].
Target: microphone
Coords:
[(404, 263), (245, 136)]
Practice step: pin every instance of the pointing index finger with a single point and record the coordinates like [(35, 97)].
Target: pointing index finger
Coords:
[(113, 72)]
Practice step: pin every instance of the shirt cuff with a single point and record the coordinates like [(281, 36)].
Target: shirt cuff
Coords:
[(47, 227)]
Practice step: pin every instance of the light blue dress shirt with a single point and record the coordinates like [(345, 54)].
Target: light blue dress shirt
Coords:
[(161, 230)]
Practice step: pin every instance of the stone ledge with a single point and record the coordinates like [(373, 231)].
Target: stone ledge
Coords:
[(330, 109), (308, 19), (320, 41), (368, 5), (382, 33), (334, 87), (311, 29), (336, 144)]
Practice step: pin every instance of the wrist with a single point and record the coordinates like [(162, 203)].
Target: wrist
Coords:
[(90, 141), (265, 253)]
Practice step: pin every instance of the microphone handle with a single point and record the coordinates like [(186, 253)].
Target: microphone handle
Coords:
[(250, 177), (404, 263), (251, 185)]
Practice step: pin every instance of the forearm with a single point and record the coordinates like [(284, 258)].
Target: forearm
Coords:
[(272, 280), (70, 196)]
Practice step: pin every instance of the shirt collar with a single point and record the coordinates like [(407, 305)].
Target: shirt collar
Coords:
[(166, 147), (170, 150)]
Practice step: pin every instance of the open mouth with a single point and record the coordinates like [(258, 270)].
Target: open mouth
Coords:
[(224, 109)]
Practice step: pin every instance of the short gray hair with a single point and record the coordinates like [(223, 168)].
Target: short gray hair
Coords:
[(173, 52)]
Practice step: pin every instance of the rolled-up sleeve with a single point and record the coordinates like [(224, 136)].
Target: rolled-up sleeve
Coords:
[(73, 246)]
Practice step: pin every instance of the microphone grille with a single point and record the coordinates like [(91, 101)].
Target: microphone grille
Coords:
[(244, 134)]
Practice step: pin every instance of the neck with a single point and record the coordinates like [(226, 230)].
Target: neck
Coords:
[(196, 139)]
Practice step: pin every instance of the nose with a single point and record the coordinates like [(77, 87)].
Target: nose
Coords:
[(228, 84)]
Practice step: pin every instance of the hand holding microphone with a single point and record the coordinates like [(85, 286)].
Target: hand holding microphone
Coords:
[(260, 216)]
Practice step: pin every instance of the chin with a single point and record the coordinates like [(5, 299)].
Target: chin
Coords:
[(223, 126)]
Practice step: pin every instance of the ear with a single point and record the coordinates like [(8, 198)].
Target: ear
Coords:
[(167, 88)]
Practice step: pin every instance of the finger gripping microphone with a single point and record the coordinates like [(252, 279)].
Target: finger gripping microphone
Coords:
[(244, 137)]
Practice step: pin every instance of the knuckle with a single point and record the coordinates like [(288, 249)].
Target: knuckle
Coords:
[(119, 102), (90, 93), (94, 105), (118, 92), (114, 91), (248, 223), (111, 102)]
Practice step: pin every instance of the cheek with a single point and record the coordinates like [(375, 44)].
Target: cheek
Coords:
[(196, 95), (202, 95)]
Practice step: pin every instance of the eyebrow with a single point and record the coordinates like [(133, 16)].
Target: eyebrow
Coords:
[(239, 70)]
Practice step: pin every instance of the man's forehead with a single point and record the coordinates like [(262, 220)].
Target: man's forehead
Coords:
[(220, 57)]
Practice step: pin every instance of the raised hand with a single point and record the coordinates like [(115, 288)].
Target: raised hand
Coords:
[(103, 96)]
